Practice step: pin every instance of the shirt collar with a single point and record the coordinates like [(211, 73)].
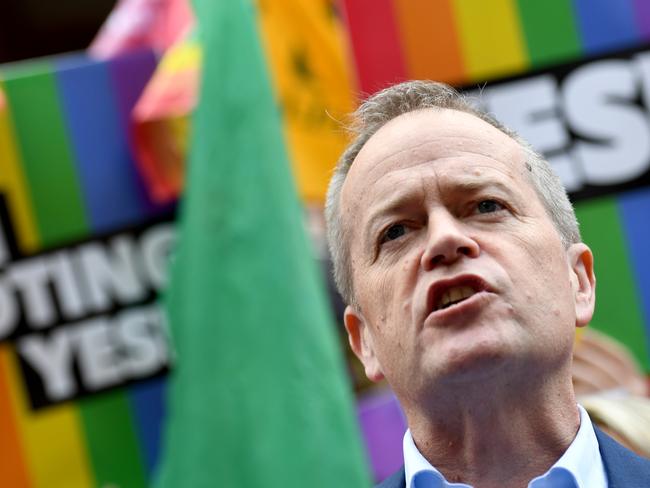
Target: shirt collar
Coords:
[(581, 465), (582, 459)]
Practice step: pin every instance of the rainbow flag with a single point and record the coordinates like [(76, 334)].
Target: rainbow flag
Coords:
[(470, 41), (311, 73), (162, 118), (67, 184)]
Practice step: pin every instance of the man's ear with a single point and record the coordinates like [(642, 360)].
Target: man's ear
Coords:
[(581, 261), (361, 342)]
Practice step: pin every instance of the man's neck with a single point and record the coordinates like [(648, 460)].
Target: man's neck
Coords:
[(497, 440)]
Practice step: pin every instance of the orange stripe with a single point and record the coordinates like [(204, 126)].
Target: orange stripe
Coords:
[(13, 470), (430, 40)]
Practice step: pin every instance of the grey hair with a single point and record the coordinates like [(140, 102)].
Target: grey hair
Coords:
[(410, 96)]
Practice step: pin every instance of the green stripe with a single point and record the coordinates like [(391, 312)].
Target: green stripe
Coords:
[(46, 155), (113, 447), (550, 31), (618, 312)]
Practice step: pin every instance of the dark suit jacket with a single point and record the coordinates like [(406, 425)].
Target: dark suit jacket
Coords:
[(624, 469)]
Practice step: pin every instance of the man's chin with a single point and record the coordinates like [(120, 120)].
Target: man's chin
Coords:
[(477, 366)]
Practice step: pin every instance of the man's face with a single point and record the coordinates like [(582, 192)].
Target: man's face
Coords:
[(457, 269)]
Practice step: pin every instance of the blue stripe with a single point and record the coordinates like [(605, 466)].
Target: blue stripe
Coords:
[(634, 208), (147, 401), (104, 163), (606, 25)]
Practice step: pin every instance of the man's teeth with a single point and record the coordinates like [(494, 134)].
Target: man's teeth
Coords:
[(455, 295)]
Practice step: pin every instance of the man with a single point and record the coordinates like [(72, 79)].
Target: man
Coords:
[(459, 255)]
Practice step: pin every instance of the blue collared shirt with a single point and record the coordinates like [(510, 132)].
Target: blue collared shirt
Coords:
[(579, 467)]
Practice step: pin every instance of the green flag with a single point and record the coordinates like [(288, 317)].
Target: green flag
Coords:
[(258, 396)]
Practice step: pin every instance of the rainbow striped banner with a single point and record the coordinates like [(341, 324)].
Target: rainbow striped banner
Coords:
[(469, 41), (66, 174), (466, 42)]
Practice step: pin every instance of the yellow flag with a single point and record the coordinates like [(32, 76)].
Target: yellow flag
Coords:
[(311, 72)]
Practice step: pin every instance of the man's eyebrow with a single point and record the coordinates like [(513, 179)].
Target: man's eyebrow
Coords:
[(473, 185), (390, 205)]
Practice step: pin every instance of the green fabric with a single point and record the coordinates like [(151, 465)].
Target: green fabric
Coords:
[(258, 395)]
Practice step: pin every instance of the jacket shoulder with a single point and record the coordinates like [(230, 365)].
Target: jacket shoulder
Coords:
[(624, 468)]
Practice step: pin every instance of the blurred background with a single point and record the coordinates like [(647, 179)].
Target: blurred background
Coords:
[(33, 29), (103, 170)]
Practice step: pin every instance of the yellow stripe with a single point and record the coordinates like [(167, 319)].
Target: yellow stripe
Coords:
[(491, 38), (185, 55), (56, 455), (310, 71), (12, 184)]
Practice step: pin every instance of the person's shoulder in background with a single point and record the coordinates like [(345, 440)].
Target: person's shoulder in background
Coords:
[(396, 480), (613, 389)]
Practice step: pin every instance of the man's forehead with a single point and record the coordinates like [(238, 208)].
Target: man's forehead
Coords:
[(412, 129), (419, 138)]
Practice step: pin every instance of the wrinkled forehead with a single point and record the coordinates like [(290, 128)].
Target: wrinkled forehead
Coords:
[(416, 139)]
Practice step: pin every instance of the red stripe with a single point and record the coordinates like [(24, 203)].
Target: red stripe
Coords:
[(375, 42)]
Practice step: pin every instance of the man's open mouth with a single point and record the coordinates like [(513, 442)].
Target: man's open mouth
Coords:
[(453, 296), (447, 293)]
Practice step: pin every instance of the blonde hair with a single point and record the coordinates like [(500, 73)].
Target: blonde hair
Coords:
[(626, 416)]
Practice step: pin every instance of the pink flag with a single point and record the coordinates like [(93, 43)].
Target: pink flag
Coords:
[(137, 24)]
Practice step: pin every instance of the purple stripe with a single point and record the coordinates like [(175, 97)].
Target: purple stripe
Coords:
[(642, 17), (130, 74)]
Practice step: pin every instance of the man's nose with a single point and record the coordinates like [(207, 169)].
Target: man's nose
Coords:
[(447, 242)]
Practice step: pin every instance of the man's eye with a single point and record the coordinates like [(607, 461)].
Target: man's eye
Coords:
[(489, 206), (395, 231)]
